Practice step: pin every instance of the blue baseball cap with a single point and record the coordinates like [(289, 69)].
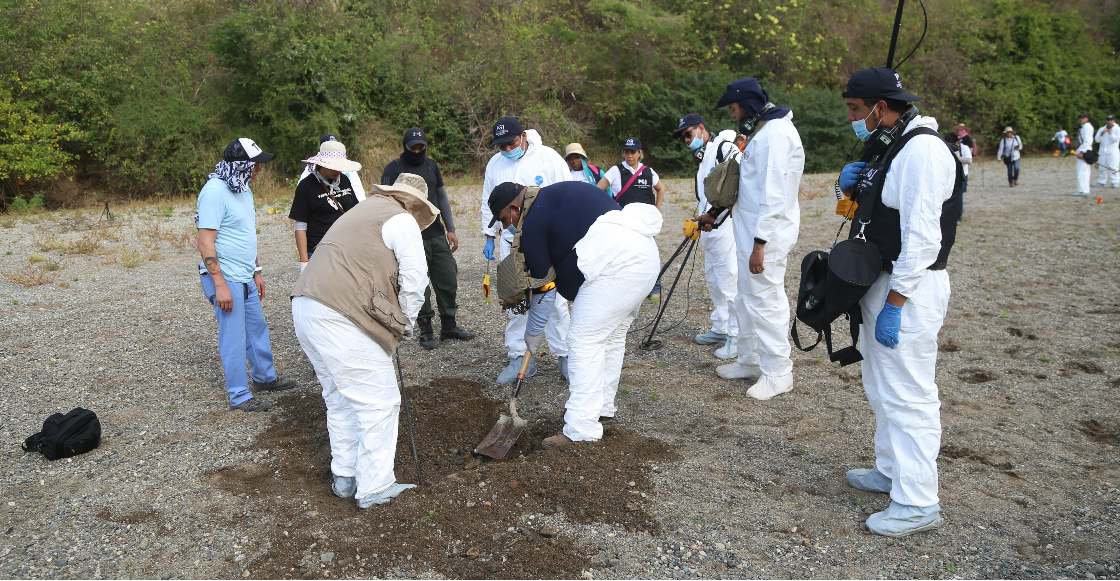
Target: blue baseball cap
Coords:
[(632, 143), (876, 83), (506, 129), (690, 120)]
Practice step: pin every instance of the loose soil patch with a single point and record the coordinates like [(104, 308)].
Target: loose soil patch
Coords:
[(470, 519)]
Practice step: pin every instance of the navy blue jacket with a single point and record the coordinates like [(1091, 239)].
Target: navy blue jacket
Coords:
[(558, 219)]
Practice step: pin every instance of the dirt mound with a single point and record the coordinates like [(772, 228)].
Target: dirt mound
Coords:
[(466, 521)]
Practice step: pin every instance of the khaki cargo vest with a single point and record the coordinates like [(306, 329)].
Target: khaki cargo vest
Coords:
[(354, 273)]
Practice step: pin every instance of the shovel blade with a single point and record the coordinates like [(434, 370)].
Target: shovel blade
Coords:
[(502, 437)]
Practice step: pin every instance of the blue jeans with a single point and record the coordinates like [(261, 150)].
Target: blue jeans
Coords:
[(1012, 171), (242, 337)]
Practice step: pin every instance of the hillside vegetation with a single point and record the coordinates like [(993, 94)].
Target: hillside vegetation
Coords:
[(145, 93)]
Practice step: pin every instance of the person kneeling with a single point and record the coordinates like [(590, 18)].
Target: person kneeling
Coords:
[(357, 298), (605, 261)]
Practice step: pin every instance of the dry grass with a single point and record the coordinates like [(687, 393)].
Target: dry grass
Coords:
[(104, 232), (35, 273), (131, 257), (89, 243), (47, 242)]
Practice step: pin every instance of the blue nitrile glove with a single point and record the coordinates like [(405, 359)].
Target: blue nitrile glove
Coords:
[(488, 250), (887, 324), (849, 176)]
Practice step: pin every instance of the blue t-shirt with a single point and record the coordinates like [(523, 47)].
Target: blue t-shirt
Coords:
[(560, 217), (234, 217)]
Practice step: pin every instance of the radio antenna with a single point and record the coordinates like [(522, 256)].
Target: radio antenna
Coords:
[(894, 33)]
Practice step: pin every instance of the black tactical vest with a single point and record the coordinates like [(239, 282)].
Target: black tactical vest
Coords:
[(640, 191), (884, 225)]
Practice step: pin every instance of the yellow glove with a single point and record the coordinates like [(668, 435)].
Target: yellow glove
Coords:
[(691, 229)]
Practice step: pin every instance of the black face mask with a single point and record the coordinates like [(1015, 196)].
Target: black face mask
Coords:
[(414, 158)]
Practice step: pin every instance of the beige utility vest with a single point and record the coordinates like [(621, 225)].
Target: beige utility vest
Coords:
[(354, 273)]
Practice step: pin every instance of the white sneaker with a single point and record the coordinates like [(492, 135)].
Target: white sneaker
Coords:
[(736, 370), (768, 386), (728, 351)]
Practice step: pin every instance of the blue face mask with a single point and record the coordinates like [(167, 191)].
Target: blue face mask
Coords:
[(860, 126), (514, 154), (695, 144)]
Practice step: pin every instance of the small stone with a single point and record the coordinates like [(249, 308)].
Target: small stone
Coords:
[(588, 575), (721, 547), (144, 544), (346, 562), (473, 552), (326, 557), (547, 531), (1099, 570), (630, 484), (513, 484), (1090, 575), (469, 504)]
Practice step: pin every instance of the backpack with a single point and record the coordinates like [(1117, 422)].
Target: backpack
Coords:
[(513, 280), (595, 173), (66, 435), (721, 186)]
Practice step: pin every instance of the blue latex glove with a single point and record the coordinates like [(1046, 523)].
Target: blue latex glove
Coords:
[(488, 250), (850, 175), (887, 325)]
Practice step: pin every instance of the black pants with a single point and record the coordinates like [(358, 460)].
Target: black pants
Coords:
[(443, 273)]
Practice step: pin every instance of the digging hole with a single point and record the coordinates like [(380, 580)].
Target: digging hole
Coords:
[(431, 527), (976, 376), (1100, 432)]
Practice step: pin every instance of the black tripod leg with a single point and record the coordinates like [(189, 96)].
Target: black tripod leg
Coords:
[(648, 344)]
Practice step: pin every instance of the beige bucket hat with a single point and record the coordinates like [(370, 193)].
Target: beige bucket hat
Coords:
[(411, 192), (1008, 129), (574, 148), (332, 155)]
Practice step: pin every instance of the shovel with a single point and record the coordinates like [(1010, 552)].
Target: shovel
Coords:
[(504, 435)]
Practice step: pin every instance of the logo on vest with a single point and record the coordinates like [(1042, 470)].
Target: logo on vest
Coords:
[(538, 180), (642, 182)]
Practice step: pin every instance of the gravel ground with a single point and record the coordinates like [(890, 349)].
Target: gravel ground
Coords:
[(1028, 371)]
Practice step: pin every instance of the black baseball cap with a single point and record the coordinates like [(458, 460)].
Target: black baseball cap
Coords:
[(326, 138), (501, 196), (415, 135), (1110, 117), (877, 82), (505, 130), (690, 120), (632, 143), (245, 149), (1083, 116)]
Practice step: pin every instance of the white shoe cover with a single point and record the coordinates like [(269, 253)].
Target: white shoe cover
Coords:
[(900, 520), (344, 486), (728, 351), (394, 490), (509, 374), (768, 386), (869, 480), (736, 370)]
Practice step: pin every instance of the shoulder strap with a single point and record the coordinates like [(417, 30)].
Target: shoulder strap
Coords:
[(333, 199), (641, 168), (868, 206)]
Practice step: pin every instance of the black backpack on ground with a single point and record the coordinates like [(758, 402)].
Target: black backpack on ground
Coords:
[(66, 435)]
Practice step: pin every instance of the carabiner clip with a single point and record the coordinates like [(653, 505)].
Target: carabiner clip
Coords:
[(862, 225)]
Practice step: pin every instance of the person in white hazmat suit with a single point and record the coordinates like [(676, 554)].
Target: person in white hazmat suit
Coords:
[(767, 218), (1108, 165), (523, 159), (606, 262), (721, 270), (909, 194), (1084, 143), (349, 319)]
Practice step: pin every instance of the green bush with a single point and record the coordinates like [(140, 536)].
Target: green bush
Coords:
[(22, 206)]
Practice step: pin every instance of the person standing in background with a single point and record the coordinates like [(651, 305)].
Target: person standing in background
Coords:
[(964, 154), (322, 197), (355, 179), (231, 277), (1009, 148), (966, 139), (1084, 143), (440, 241), (523, 158), (1061, 137), (577, 163), (1108, 163), (721, 267), (630, 182)]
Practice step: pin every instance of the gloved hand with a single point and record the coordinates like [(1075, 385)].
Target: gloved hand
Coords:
[(849, 176), (887, 325), (408, 334), (302, 265), (488, 250), (533, 342)]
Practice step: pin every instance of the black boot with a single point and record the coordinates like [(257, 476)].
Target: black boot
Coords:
[(427, 335), (449, 330)]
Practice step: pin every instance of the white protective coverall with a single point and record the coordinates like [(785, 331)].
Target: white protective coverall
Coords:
[(1108, 166), (1084, 169), (540, 166), (720, 266), (619, 261), (769, 179), (900, 382), (356, 373)]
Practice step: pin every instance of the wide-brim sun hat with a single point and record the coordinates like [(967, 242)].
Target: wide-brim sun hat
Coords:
[(574, 148), (411, 191), (332, 155), (1008, 129)]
